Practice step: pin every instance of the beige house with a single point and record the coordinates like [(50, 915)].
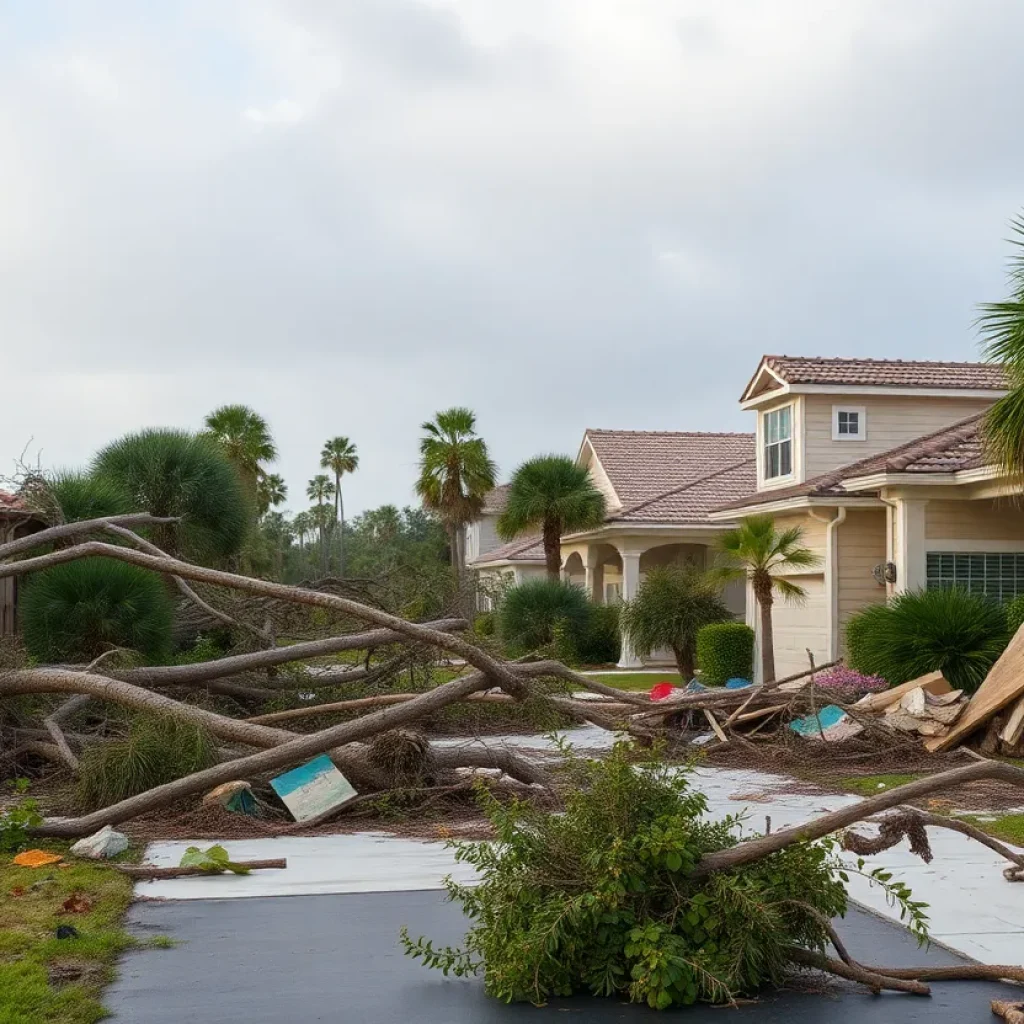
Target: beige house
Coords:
[(881, 463), (660, 488)]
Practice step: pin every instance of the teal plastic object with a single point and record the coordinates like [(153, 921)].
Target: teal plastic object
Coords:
[(829, 715), (738, 684)]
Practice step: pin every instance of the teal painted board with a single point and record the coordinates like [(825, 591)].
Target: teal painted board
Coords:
[(313, 788)]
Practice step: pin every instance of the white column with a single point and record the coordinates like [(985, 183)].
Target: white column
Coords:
[(630, 586), (594, 583), (911, 563)]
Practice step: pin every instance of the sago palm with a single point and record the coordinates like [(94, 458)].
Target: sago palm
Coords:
[(1001, 325), (320, 489), (757, 552), (553, 495), (455, 473), (339, 455)]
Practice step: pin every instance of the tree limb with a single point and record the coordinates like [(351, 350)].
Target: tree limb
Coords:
[(855, 972), (87, 526)]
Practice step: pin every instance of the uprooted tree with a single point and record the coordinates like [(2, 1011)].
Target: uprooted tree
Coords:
[(378, 753)]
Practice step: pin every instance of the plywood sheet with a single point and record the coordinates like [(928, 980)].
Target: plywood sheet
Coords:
[(1003, 685)]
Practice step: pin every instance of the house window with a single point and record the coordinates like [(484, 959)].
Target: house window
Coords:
[(849, 423), (778, 442), (996, 575)]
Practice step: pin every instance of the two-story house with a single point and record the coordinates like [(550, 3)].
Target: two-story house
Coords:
[(882, 465)]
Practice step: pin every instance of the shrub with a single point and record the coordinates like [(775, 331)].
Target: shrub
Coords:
[(960, 633), (74, 496), (528, 615), (1015, 614), (672, 605), (600, 643), (156, 750), (601, 898), (725, 650), (175, 473), (849, 684), (75, 612), (484, 624)]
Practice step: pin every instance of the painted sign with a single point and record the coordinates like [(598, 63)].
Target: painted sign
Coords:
[(313, 789)]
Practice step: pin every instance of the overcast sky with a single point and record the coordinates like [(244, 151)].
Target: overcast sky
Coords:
[(563, 213)]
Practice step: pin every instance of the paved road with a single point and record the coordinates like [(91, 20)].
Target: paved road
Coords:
[(271, 960)]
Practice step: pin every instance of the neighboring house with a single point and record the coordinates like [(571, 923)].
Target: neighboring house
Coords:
[(660, 488), (16, 520), (881, 463)]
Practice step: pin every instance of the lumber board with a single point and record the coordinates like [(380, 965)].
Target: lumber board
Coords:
[(1014, 728), (1003, 685), (934, 682), (715, 726)]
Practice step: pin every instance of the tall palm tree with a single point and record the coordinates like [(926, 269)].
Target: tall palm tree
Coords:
[(271, 491), (552, 494), (1001, 325), (246, 440), (757, 552), (339, 455), (455, 474), (302, 523), (320, 489)]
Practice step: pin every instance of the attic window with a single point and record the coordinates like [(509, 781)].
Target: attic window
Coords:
[(778, 442), (849, 423)]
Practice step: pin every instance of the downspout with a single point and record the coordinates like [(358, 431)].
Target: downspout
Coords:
[(831, 578)]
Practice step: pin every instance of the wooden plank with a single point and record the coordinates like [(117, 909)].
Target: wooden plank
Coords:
[(714, 725), (1015, 726), (751, 715), (934, 682), (1003, 685)]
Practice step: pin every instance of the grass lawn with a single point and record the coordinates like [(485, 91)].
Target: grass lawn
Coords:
[(872, 785), (1008, 827), (36, 968), (637, 680)]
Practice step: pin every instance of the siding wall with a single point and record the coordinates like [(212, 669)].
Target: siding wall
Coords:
[(601, 479), (890, 422), (481, 537), (990, 520), (861, 546)]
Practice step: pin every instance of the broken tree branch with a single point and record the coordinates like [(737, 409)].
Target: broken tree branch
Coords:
[(855, 972), (147, 871), (69, 530)]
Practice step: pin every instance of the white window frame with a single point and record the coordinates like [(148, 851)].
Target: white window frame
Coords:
[(862, 423), (765, 462)]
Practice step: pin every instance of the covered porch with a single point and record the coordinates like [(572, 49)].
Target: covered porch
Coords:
[(610, 566)]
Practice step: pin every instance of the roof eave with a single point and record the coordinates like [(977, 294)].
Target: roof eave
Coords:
[(795, 503)]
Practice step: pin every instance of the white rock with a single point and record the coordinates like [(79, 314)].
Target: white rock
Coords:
[(105, 843)]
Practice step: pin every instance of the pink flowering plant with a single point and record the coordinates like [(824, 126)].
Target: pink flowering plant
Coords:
[(848, 683)]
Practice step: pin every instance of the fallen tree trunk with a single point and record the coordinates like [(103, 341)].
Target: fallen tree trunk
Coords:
[(147, 871)]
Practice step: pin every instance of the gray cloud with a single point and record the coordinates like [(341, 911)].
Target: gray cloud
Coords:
[(351, 214)]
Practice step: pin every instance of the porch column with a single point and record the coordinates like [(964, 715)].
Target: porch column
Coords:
[(911, 563), (594, 584), (630, 586)]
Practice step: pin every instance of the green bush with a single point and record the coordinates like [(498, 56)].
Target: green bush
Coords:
[(600, 643), (960, 633), (484, 624), (1015, 614), (175, 473), (602, 898), (74, 496), (528, 616), (156, 750), (75, 612), (725, 650)]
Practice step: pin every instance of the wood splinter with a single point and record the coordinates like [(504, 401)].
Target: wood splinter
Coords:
[(1012, 1013)]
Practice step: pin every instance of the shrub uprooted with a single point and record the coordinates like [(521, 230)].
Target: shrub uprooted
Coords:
[(604, 897)]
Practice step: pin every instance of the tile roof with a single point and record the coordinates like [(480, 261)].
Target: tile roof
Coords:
[(645, 464), (12, 503), (899, 373), (957, 447), (692, 502), (495, 501), (523, 549)]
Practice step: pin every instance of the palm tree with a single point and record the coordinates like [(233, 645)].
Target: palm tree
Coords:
[(303, 526), (320, 489), (246, 440), (455, 474), (551, 493), (757, 552), (340, 456), (271, 491), (673, 603), (1001, 325)]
